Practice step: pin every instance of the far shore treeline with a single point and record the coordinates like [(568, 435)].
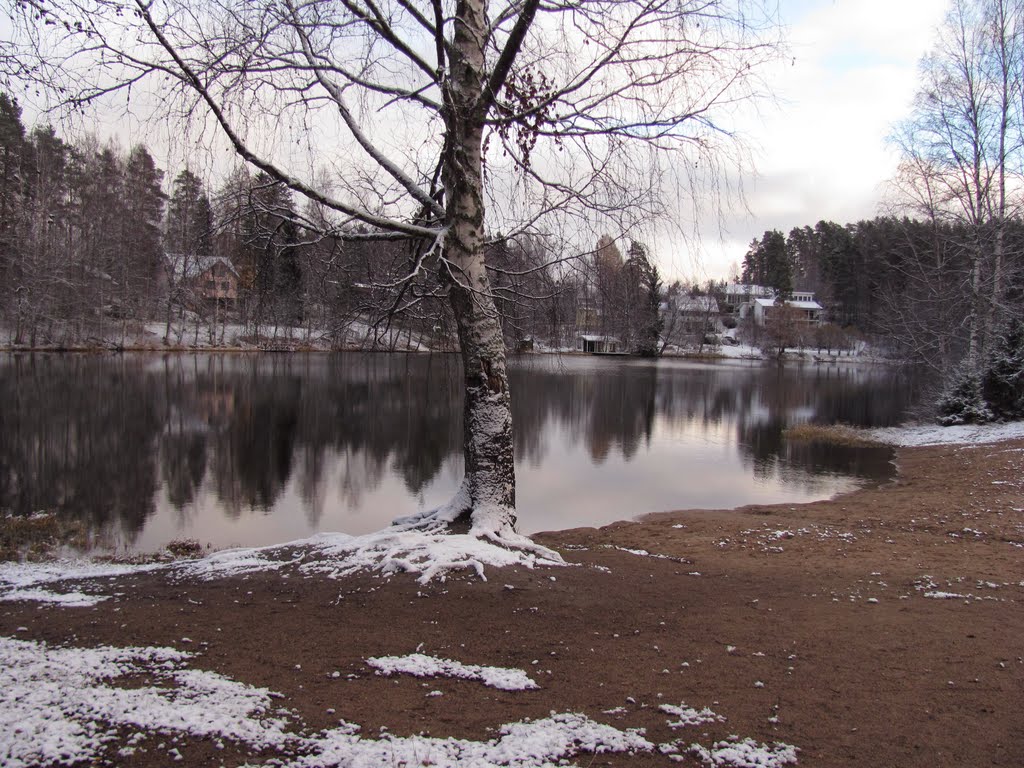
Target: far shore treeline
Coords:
[(98, 245)]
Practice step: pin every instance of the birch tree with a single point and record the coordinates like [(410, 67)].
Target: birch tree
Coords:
[(962, 145), (443, 121)]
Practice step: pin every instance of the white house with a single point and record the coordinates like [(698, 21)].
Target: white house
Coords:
[(740, 296), (807, 309)]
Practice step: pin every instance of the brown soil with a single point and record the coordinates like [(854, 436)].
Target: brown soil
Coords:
[(824, 604)]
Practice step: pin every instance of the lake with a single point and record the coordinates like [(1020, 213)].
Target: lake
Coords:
[(234, 449)]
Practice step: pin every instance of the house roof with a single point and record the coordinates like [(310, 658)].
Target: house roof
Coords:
[(803, 304), (810, 305), (591, 337), (697, 304), (742, 289)]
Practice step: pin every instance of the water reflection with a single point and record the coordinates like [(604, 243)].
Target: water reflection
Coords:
[(238, 449)]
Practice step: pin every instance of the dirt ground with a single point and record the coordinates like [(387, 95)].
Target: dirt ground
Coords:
[(828, 626)]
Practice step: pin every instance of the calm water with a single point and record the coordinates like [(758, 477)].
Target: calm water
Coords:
[(234, 449)]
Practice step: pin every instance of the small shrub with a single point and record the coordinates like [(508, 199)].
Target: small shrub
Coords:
[(185, 548)]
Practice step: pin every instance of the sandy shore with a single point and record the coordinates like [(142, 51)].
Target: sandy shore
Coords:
[(882, 628)]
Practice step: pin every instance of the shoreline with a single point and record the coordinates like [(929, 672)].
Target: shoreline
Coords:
[(880, 627)]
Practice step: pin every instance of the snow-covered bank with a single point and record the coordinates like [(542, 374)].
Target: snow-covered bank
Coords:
[(428, 554), (38, 581), (911, 435)]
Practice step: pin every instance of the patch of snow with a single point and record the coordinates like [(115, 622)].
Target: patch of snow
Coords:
[(26, 581), (421, 665), (57, 705), (236, 562), (65, 706), (533, 743), (689, 716), (961, 434), (745, 753), (66, 599)]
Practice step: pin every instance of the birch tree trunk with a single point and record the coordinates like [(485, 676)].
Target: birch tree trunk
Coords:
[(488, 491)]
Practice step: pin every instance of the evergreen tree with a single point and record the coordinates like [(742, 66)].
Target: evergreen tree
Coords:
[(963, 401), (644, 288), (12, 141), (767, 262), (1002, 382), (141, 259), (778, 271), (273, 237), (189, 217)]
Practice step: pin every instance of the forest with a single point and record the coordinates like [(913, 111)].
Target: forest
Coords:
[(95, 244)]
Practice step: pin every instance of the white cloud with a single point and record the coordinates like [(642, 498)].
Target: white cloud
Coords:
[(822, 153)]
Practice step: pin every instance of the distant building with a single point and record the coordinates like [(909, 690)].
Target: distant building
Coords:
[(598, 345), (739, 297), (691, 315), (806, 308), (206, 279)]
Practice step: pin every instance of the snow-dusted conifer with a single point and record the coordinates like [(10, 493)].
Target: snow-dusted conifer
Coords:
[(1002, 382), (962, 402)]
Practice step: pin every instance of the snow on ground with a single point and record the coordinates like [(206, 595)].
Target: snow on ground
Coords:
[(67, 599), (69, 705), (689, 716), (35, 581), (962, 434), (538, 743), (59, 704), (421, 665), (745, 753)]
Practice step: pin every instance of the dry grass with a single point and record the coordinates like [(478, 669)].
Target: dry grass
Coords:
[(834, 434), (36, 536)]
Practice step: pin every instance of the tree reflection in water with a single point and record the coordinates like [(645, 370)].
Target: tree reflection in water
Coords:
[(268, 447)]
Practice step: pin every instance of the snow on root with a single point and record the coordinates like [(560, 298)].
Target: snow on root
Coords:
[(421, 665), (62, 706), (534, 743), (428, 553), (745, 753)]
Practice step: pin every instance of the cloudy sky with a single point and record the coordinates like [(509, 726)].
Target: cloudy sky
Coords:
[(821, 152)]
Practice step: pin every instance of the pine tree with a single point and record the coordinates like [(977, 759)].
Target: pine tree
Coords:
[(12, 141), (189, 217), (141, 260)]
